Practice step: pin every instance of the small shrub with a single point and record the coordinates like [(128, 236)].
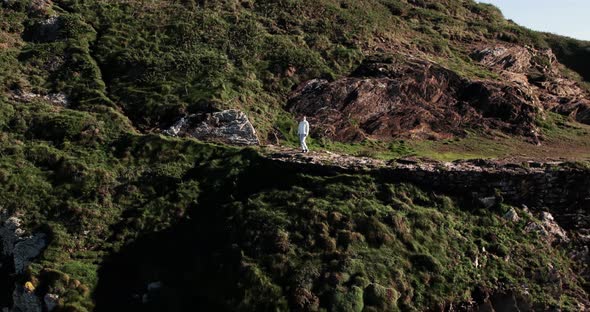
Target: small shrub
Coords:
[(375, 232), (499, 250), (348, 300), (425, 262), (381, 297)]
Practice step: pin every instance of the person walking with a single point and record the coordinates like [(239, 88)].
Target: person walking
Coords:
[(303, 131)]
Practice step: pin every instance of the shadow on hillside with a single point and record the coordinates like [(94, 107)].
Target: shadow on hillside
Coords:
[(6, 281), (180, 269), (193, 265)]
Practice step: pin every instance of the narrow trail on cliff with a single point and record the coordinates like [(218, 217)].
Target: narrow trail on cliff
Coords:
[(359, 164)]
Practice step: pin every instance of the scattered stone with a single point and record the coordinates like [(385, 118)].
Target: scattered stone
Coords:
[(59, 99), (536, 227), (228, 126), (553, 228), (511, 215), (174, 130), (527, 211), (548, 228), (546, 216)]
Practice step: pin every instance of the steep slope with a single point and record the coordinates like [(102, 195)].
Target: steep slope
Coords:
[(151, 223), (158, 60), (101, 210)]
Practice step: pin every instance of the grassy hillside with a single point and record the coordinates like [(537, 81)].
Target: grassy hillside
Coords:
[(573, 53), (220, 227), (154, 60), (223, 229)]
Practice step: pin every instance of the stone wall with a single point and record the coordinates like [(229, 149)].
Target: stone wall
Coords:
[(560, 188)]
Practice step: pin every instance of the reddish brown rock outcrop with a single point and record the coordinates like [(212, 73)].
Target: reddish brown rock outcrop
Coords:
[(408, 97), (386, 99), (539, 72)]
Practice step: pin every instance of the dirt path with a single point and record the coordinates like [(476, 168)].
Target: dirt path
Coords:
[(354, 163)]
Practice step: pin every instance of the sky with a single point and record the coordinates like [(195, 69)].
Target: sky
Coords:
[(563, 17)]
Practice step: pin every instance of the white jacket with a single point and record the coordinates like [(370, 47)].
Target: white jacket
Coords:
[(303, 128)]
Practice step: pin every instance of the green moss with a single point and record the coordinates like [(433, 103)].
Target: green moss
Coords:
[(85, 272)]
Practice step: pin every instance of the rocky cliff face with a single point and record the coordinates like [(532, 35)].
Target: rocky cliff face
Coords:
[(228, 126), (18, 250), (538, 72), (410, 97)]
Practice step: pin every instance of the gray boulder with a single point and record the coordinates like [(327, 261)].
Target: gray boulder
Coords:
[(59, 99), (25, 301), (553, 228), (549, 229), (10, 233), (487, 202), (511, 215), (228, 126), (22, 249), (27, 249)]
